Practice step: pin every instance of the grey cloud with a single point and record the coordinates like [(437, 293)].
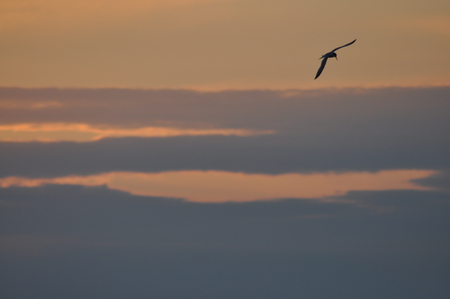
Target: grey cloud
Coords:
[(97, 214), (271, 154), (81, 242), (417, 111), (96, 242), (439, 181), (321, 130), (205, 274)]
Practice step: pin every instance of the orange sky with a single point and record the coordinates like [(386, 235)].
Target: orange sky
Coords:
[(221, 186), (221, 44), (85, 132)]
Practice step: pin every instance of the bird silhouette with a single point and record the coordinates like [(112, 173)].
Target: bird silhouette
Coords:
[(329, 55)]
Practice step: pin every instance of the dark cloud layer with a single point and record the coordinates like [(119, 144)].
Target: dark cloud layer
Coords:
[(92, 242), (97, 214), (322, 130), (259, 154), (440, 180), (71, 241), (418, 111)]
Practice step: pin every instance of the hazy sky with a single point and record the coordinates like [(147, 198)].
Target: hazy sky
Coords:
[(222, 44), (183, 149)]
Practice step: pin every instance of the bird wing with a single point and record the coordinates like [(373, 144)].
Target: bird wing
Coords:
[(322, 66), (344, 45)]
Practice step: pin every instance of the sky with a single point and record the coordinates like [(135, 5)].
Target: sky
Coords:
[(183, 149), (222, 44)]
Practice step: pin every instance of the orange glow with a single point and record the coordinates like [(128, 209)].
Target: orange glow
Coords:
[(34, 11), (85, 132), (218, 186), (429, 24), (222, 44)]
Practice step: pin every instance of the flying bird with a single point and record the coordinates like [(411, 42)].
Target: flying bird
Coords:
[(329, 55)]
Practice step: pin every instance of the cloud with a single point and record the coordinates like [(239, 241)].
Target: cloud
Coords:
[(92, 241), (394, 110), (350, 222), (270, 154), (316, 130), (439, 180)]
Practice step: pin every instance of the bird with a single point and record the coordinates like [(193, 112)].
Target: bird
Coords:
[(329, 55)]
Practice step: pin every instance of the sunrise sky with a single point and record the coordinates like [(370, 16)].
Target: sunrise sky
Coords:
[(183, 149), (222, 44)]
